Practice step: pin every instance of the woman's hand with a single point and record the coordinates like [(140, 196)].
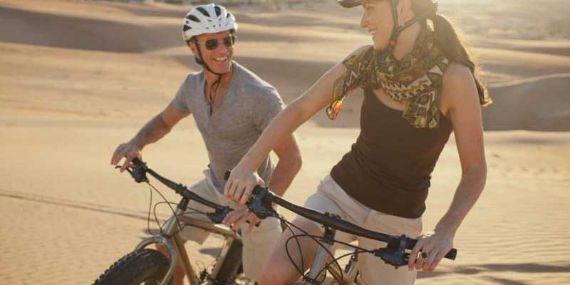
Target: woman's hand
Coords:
[(429, 250), (241, 183)]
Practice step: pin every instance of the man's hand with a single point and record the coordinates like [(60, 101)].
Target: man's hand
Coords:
[(429, 250), (240, 184), (128, 151), (235, 218)]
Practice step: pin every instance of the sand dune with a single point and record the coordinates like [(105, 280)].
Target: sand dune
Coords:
[(503, 65), (555, 47), (92, 33), (541, 104), (504, 61), (46, 29), (79, 77)]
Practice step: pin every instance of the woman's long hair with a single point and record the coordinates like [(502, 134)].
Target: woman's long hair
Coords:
[(451, 43)]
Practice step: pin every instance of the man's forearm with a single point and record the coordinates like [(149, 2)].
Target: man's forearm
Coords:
[(285, 171), (154, 130)]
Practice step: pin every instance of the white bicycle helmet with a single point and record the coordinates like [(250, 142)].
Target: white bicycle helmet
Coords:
[(210, 18)]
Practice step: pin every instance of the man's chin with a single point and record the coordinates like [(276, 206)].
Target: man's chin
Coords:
[(225, 68)]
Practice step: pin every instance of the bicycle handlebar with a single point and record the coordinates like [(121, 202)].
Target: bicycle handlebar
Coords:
[(260, 204), (139, 171)]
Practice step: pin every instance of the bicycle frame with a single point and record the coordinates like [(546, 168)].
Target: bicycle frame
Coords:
[(175, 246)]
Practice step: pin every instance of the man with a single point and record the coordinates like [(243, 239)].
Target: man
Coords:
[(231, 107)]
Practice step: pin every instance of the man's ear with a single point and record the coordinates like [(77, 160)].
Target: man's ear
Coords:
[(192, 45)]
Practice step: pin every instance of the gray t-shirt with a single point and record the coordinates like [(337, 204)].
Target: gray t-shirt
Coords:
[(248, 106)]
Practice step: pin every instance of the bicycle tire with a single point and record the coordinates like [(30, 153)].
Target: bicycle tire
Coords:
[(232, 264), (144, 266)]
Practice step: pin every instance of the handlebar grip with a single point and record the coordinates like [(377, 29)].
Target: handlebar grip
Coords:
[(227, 175)]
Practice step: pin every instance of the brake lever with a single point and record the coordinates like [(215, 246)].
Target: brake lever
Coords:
[(138, 171)]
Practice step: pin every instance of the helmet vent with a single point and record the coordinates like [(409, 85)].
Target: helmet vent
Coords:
[(194, 18), (203, 11)]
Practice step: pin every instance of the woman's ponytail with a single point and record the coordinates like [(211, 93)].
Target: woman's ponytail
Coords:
[(451, 44)]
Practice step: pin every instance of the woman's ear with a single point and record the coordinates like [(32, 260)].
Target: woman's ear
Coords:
[(405, 11)]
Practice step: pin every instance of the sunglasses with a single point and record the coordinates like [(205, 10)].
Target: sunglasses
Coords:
[(212, 44)]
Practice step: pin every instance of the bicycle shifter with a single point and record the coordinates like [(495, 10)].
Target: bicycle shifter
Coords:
[(218, 216), (394, 253), (138, 171), (260, 203)]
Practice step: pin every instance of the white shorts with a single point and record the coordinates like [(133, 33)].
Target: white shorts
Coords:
[(331, 198), (257, 245)]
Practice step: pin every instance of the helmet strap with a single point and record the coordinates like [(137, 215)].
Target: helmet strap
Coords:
[(211, 96), (199, 60), (398, 29)]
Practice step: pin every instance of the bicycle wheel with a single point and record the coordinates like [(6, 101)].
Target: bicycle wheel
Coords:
[(144, 266)]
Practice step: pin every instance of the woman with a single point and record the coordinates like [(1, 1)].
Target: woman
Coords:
[(419, 84)]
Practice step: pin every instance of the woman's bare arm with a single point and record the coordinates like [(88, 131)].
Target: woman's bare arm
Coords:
[(243, 177), (460, 102)]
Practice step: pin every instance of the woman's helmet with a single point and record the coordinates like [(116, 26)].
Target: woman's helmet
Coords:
[(397, 29), (210, 18)]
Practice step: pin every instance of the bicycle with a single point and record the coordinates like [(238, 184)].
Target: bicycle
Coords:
[(149, 266), (394, 253)]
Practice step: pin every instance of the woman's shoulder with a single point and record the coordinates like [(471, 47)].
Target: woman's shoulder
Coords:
[(457, 73), (458, 84), (358, 52), (349, 61), (361, 49)]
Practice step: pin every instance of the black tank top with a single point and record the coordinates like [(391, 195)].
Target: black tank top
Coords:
[(389, 167)]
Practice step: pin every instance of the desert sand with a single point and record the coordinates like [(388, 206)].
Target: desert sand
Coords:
[(79, 77)]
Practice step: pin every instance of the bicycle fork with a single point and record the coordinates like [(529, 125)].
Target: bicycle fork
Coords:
[(322, 260), (321, 257), (174, 245)]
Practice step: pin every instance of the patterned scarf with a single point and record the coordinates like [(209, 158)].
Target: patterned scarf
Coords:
[(415, 80)]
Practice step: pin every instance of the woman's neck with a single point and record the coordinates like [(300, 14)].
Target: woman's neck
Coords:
[(406, 41)]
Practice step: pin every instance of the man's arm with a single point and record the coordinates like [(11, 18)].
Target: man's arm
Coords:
[(287, 167), (153, 131)]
